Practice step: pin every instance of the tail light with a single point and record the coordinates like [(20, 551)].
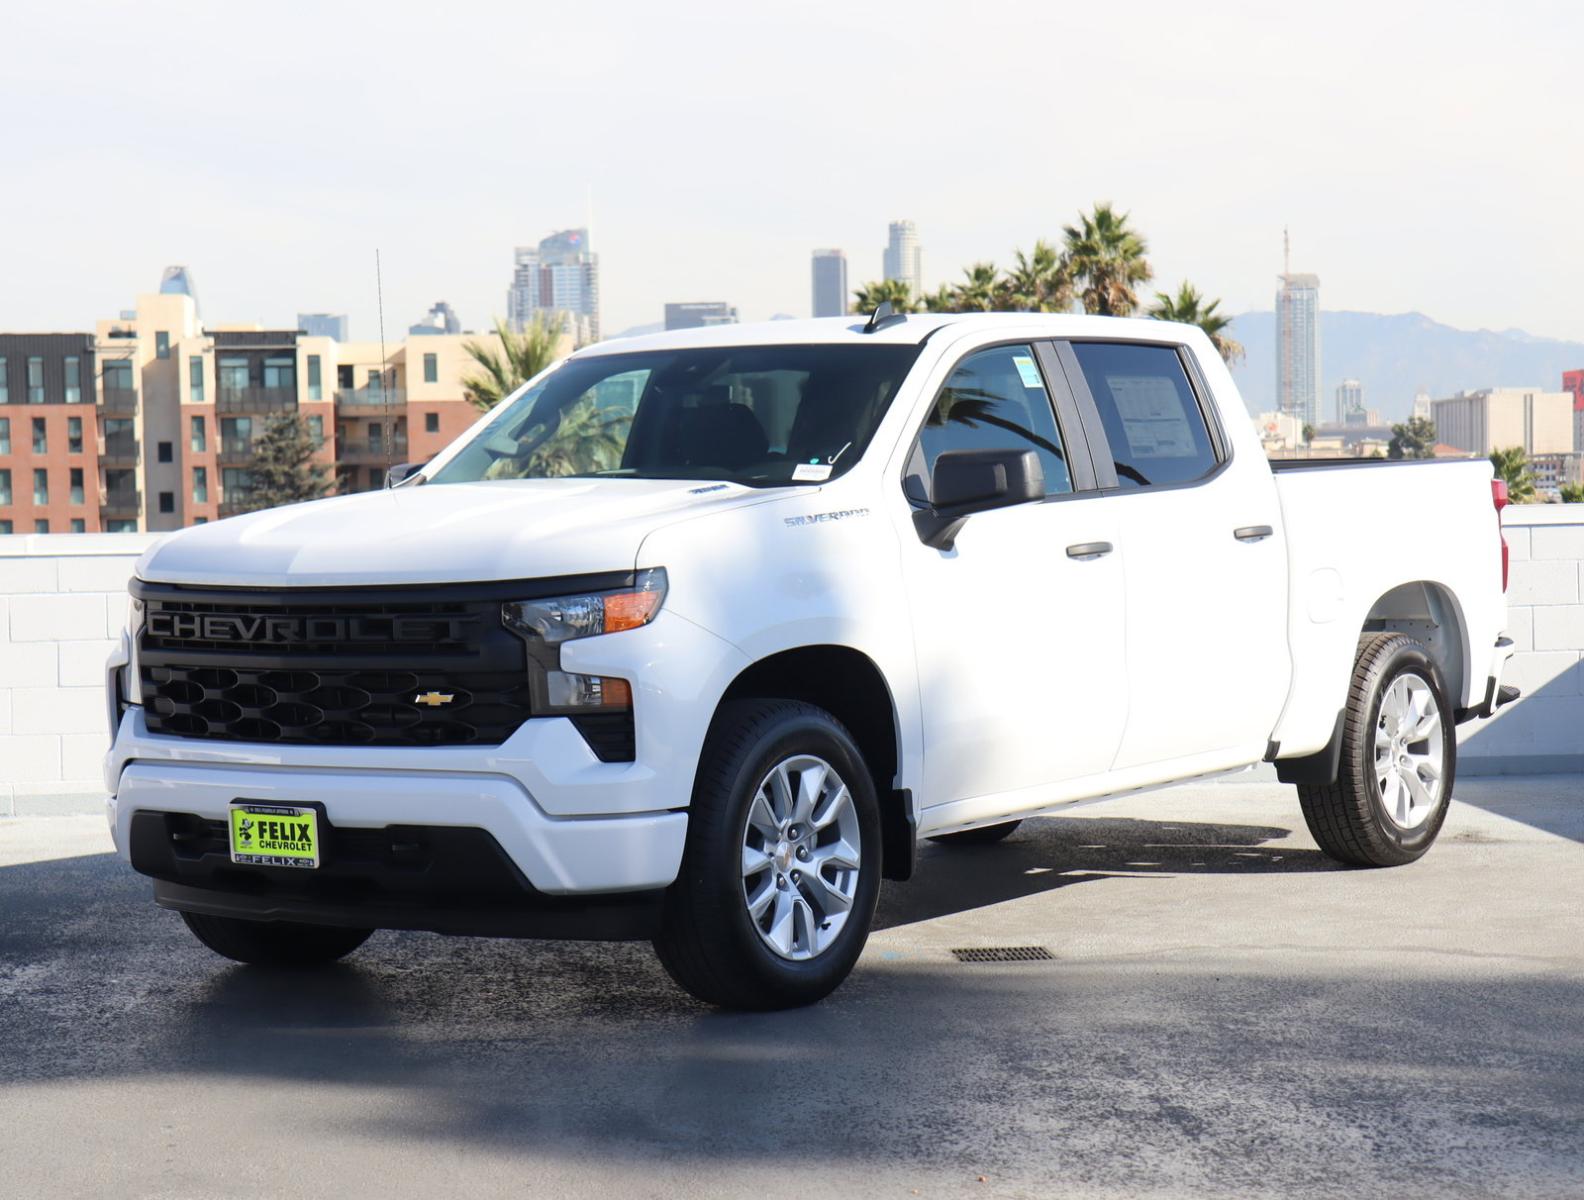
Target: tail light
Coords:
[(1499, 501)]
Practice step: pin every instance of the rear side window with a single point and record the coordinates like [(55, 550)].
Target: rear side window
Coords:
[(1151, 416), (995, 400)]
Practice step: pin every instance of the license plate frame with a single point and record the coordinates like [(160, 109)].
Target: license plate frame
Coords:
[(249, 821)]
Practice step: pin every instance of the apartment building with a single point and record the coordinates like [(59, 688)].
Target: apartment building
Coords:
[(150, 422)]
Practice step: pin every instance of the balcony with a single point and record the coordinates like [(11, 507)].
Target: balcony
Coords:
[(118, 450), (118, 399), (369, 402), (393, 450), (235, 452), (125, 502), (256, 399)]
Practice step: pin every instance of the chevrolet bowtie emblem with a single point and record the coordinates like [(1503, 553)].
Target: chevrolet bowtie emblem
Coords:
[(434, 699)]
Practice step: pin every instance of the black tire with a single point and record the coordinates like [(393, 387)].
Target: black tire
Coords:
[(981, 835), (1348, 818), (707, 942), (275, 943)]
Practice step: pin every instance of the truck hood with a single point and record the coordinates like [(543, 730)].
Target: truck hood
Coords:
[(440, 533)]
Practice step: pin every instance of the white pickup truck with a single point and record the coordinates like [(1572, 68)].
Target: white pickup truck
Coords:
[(696, 634)]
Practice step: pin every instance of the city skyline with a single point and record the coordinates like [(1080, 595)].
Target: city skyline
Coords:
[(1390, 182)]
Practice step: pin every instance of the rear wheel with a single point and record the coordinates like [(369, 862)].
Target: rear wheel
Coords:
[(782, 866), (1399, 757), (275, 943), (982, 835)]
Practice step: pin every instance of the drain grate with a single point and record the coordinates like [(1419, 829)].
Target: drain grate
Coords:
[(981, 954)]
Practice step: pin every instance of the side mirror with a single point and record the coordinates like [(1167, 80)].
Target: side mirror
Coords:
[(401, 473), (974, 481)]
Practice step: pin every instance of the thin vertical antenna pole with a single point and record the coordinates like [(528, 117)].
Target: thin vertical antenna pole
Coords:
[(385, 387), (1286, 254)]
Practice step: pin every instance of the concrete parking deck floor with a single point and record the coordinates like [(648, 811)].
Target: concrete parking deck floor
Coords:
[(1226, 1013)]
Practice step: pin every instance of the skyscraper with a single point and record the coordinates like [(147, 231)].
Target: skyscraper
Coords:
[(1297, 342), (830, 283), (330, 325), (558, 277), (903, 258), (1349, 401)]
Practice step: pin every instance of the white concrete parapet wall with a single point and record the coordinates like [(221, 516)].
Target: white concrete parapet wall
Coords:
[(63, 602), (1543, 732)]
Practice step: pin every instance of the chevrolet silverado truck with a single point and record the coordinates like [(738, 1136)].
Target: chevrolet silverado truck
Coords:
[(696, 635)]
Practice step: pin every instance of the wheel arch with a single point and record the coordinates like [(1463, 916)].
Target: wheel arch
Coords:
[(1429, 612), (848, 684)]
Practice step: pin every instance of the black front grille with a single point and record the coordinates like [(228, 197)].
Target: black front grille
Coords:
[(341, 707), (383, 666)]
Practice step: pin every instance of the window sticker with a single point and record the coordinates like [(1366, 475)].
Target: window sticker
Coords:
[(1152, 416), (811, 472), (1028, 372)]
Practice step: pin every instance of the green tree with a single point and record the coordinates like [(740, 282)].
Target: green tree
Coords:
[(1107, 257), (283, 470), (1041, 281), (1308, 433), (1188, 307), (870, 296), (1572, 493), (518, 358), (980, 291), (1414, 438), (1512, 465)]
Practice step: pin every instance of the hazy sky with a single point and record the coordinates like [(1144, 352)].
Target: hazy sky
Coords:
[(1425, 156)]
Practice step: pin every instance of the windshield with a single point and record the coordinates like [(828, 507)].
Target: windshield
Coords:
[(759, 415)]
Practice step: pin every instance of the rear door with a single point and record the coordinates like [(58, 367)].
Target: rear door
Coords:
[(1018, 627), (1200, 539)]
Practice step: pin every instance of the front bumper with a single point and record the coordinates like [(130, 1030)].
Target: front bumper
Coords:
[(571, 824), (447, 880)]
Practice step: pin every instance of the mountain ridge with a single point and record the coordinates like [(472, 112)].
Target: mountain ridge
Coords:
[(1393, 355)]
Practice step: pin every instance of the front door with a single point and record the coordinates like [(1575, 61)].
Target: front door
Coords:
[(1019, 627)]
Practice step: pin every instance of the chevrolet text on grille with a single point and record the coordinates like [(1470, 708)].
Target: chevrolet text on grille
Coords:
[(260, 629)]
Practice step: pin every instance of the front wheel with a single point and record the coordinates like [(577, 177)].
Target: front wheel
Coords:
[(1399, 757), (275, 943), (781, 871)]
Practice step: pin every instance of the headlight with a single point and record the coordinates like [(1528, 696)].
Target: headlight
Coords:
[(563, 618), (549, 623)]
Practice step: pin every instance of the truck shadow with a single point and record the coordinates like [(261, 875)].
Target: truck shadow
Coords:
[(1047, 853)]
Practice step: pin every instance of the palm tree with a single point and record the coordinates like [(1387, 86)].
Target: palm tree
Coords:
[(1512, 465), (1107, 257), (521, 356), (870, 296), (980, 290), (1188, 307), (1040, 282), (1573, 493)]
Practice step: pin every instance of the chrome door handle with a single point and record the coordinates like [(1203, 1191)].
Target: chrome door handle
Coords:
[(1253, 533), (1089, 550)]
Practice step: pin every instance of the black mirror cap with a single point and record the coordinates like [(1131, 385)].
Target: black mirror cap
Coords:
[(402, 473), (965, 482), (986, 479)]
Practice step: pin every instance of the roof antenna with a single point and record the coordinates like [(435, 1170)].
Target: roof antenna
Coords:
[(385, 390), (885, 312)]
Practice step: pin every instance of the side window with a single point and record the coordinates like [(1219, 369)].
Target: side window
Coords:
[(995, 400), (1151, 417)]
